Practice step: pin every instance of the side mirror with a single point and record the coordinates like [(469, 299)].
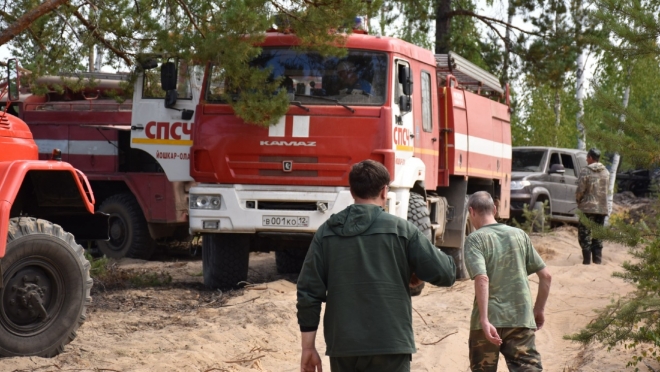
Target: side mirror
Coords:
[(168, 75), (170, 98), (405, 104), (556, 168), (148, 63), (405, 79), (13, 83)]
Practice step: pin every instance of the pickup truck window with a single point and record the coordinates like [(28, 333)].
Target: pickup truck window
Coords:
[(527, 160), (569, 167)]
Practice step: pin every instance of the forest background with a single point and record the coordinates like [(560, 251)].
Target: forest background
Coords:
[(539, 47)]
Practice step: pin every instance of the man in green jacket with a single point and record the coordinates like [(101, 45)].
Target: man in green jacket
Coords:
[(360, 264), (591, 196)]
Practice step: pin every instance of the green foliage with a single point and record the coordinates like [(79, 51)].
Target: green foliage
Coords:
[(534, 125), (634, 320), (635, 138), (533, 220)]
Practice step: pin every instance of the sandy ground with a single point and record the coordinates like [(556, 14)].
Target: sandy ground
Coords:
[(185, 327)]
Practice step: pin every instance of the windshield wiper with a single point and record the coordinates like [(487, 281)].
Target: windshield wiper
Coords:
[(297, 103), (336, 101)]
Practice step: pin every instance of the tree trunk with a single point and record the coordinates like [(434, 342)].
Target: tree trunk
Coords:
[(579, 88), (616, 158), (557, 110), (28, 18), (442, 27)]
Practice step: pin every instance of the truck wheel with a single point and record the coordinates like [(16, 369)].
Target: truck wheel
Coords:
[(290, 261), (129, 233), (418, 214), (46, 289), (225, 259)]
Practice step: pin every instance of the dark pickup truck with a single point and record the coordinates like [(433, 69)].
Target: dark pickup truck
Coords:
[(546, 173)]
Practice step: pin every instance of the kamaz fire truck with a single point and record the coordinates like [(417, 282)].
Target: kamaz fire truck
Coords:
[(439, 123), (81, 116)]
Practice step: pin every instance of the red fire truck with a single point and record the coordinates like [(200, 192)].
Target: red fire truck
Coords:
[(439, 123), (44, 275), (93, 131)]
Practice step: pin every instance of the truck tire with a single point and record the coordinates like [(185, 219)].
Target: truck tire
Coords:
[(225, 259), (46, 289), (290, 261), (129, 232), (419, 215)]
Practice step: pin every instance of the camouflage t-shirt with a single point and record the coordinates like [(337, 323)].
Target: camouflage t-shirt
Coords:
[(506, 255)]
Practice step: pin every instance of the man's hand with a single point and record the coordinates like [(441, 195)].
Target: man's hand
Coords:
[(539, 317), (310, 361), (491, 333), (414, 281)]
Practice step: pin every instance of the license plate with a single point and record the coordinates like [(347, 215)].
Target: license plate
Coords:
[(285, 221)]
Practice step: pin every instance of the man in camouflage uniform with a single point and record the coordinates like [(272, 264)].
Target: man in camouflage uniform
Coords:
[(499, 258), (591, 196)]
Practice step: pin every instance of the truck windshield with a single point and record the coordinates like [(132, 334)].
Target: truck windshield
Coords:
[(526, 160), (360, 78)]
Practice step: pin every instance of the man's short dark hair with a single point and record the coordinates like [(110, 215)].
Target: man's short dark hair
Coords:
[(367, 178), (482, 203), (594, 153)]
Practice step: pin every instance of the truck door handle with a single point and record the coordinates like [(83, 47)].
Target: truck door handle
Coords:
[(562, 180)]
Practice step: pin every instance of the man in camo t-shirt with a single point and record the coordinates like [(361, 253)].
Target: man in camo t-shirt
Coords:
[(499, 258)]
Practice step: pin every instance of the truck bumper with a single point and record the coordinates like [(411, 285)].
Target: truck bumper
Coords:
[(262, 208)]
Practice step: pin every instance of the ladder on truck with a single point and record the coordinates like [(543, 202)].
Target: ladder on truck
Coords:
[(468, 75)]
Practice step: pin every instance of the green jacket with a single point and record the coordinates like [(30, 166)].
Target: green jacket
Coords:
[(360, 263), (591, 192)]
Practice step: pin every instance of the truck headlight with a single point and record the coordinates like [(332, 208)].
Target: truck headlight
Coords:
[(204, 201), (519, 185)]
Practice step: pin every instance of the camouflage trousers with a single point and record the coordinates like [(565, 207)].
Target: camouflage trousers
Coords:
[(517, 347), (371, 363), (589, 245)]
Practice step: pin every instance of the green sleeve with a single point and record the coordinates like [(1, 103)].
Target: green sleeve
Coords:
[(429, 263), (534, 262), (312, 286), (475, 262)]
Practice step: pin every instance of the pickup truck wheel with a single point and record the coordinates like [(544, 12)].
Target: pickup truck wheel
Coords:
[(129, 232), (419, 215), (46, 289), (290, 261), (225, 259)]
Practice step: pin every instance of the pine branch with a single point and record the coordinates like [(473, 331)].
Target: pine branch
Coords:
[(26, 20), (190, 16), (97, 35), (463, 12)]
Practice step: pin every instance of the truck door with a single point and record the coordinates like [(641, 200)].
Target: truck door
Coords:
[(166, 133), (556, 186), (402, 121), (570, 179)]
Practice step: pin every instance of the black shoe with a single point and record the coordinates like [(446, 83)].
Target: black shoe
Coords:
[(586, 257), (597, 257)]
